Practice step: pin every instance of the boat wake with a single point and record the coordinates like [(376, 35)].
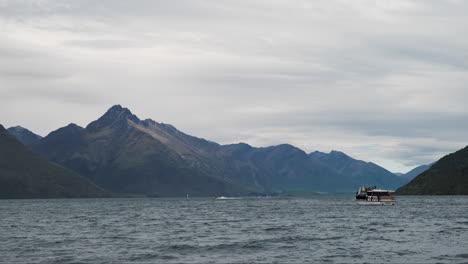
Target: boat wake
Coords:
[(226, 198)]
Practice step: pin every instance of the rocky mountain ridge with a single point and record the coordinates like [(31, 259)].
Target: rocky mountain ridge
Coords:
[(123, 153)]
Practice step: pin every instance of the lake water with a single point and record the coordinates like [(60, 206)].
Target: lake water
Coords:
[(422, 229)]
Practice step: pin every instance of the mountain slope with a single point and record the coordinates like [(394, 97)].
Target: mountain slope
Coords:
[(359, 172), (23, 174), (289, 169), (415, 172), (25, 136), (447, 176), (124, 154)]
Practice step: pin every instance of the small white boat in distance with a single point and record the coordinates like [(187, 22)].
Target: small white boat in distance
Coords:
[(374, 196), (225, 198)]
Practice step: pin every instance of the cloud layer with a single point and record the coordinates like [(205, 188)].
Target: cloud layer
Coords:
[(381, 80)]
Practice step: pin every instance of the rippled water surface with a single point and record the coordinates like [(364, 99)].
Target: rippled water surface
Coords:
[(251, 230)]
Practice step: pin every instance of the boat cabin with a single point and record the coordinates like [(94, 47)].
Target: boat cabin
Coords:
[(378, 193), (372, 195)]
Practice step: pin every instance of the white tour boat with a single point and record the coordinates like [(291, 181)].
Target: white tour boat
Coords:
[(374, 196)]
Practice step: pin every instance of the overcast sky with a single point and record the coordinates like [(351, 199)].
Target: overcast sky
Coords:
[(383, 81)]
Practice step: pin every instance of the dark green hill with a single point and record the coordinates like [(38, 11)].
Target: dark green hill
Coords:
[(23, 174), (447, 176)]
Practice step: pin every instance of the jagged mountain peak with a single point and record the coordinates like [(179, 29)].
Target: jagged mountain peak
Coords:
[(150, 121), (115, 115), (24, 135), (243, 144), (73, 126), (337, 153), (116, 107), (20, 129), (117, 111), (65, 134), (338, 156), (283, 147), (2, 129), (237, 148), (318, 154), (17, 128), (166, 127)]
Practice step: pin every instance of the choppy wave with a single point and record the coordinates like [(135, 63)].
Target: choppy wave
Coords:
[(249, 230)]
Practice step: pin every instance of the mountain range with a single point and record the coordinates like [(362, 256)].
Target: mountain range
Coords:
[(124, 154), (359, 172)]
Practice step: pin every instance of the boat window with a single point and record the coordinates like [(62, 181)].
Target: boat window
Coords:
[(378, 194)]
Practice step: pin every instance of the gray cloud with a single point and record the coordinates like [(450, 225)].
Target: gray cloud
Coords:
[(383, 81)]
